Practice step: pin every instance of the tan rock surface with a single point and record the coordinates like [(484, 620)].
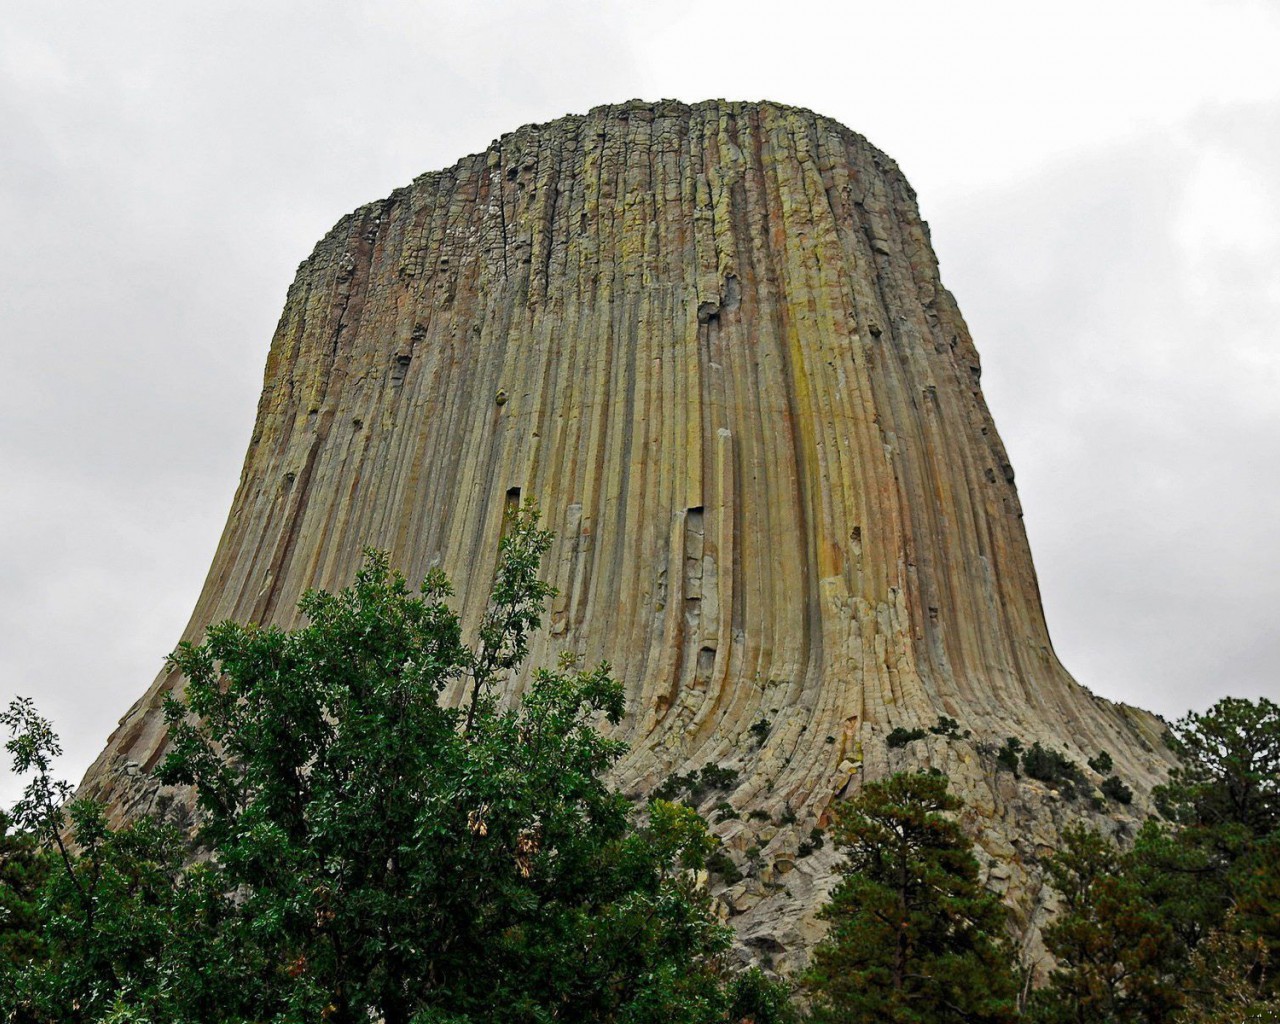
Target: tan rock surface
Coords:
[(711, 343)]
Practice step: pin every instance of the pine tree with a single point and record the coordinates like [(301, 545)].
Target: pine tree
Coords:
[(914, 937)]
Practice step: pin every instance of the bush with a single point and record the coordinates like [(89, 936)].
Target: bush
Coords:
[(1102, 763), (1052, 767), (1113, 788), (715, 777), (721, 864), (725, 811), (949, 728), (900, 737), (698, 784), (1007, 756)]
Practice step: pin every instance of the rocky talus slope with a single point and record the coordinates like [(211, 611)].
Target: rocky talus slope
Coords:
[(711, 343)]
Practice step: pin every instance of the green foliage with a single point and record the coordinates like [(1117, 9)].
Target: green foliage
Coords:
[(1101, 763), (1053, 767), (24, 869), (1114, 788), (757, 1000), (816, 841), (914, 937), (721, 864), (116, 918), (1225, 981), (697, 785), (949, 728), (900, 737), (725, 811), (372, 853), (1229, 770), (1224, 802), (1114, 950), (1008, 756), (1185, 925), (760, 730)]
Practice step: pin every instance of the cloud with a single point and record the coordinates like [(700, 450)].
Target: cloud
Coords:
[(1100, 181), (1122, 304)]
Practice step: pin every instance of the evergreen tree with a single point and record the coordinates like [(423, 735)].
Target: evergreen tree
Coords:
[(1228, 776), (1115, 952), (914, 937), (1185, 925)]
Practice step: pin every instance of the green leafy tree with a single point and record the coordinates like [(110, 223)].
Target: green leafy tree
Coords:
[(397, 856), (102, 916), (24, 867), (914, 937), (368, 850)]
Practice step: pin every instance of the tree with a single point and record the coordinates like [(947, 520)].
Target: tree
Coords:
[(397, 856), (103, 917), (1225, 981), (1228, 774), (368, 850), (1223, 800), (1184, 925), (1114, 950), (914, 937), (24, 867)]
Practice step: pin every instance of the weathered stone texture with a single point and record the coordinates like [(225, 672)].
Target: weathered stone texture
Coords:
[(710, 342)]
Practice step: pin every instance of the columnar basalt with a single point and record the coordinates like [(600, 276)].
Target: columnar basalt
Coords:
[(710, 342)]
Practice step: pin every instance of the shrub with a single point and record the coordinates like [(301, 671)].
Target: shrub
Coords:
[(949, 728), (721, 864), (698, 784), (900, 737), (725, 811), (1007, 756), (1052, 767), (1115, 789), (1102, 763)]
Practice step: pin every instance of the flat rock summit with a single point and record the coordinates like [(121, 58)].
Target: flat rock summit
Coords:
[(710, 342)]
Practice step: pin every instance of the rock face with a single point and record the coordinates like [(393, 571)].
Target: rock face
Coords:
[(710, 342)]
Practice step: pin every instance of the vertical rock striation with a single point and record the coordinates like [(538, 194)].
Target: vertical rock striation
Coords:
[(711, 343)]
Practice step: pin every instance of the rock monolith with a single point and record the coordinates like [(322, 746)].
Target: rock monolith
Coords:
[(711, 343)]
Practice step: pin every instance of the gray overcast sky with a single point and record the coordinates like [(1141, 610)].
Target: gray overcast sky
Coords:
[(1102, 180)]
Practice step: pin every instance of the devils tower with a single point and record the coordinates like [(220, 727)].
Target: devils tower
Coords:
[(711, 344)]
